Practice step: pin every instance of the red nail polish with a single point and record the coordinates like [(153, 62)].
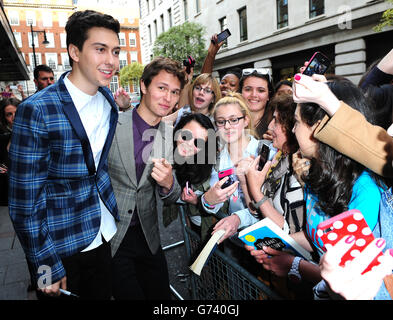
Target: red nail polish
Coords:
[(297, 77), (380, 243), (350, 239)]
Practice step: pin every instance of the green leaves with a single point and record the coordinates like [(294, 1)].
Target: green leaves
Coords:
[(131, 73), (387, 19)]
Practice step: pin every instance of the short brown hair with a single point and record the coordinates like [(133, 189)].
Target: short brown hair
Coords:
[(162, 63), (203, 79)]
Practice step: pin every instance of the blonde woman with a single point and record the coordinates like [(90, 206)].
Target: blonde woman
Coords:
[(199, 97), (233, 121)]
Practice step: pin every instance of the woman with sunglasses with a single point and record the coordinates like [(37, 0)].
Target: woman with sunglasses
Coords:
[(194, 156), (199, 97), (257, 88)]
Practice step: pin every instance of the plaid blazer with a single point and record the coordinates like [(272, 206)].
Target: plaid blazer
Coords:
[(54, 187)]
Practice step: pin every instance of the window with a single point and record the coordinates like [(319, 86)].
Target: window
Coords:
[(18, 38), (317, 7), (149, 31), (62, 16), (123, 59), (51, 39), (153, 4), (114, 85), (38, 58), (122, 39), (63, 38), (198, 6), (185, 10), (65, 60), (282, 13), (162, 23), (170, 17), (243, 24), (30, 18), (51, 60), (13, 16), (148, 6), (132, 38), (35, 39), (47, 19), (155, 29), (134, 56), (223, 26)]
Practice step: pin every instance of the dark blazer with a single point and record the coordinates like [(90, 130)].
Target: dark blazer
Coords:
[(54, 186)]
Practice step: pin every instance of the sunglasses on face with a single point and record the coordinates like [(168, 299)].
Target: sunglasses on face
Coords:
[(186, 136), (260, 71)]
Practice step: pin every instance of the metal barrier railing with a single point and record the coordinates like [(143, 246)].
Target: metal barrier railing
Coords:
[(221, 278)]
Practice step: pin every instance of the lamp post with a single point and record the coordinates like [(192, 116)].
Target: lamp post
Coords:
[(45, 42)]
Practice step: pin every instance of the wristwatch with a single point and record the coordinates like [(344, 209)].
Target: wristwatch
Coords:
[(294, 274)]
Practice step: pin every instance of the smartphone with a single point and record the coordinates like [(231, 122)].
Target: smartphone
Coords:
[(318, 64), (350, 222), (227, 173), (264, 153), (189, 63), (14, 87), (223, 35)]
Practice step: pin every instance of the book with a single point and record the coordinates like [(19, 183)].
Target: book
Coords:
[(267, 233), (206, 252)]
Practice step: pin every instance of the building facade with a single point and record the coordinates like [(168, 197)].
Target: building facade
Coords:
[(158, 16), (51, 16), (282, 34)]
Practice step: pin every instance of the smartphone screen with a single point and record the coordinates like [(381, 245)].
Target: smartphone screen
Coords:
[(223, 35), (264, 153), (318, 64), (349, 222)]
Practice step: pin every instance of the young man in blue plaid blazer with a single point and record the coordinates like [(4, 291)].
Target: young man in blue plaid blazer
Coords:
[(61, 199)]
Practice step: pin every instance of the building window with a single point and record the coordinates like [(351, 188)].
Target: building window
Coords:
[(155, 29), (30, 18), (198, 6), (162, 23), (51, 39), (18, 38), (14, 18), (170, 17), (153, 4), (123, 59), (62, 17), (114, 85), (149, 31), (38, 58), (282, 13), (63, 39), (65, 60), (185, 10), (47, 19), (243, 24), (223, 26), (132, 38), (317, 7), (51, 60), (122, 39), (35, 39), (148, 6), (134, 56)]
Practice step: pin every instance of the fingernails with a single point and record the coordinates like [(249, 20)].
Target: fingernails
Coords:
[(380, 243), (391, 252), (298, 77), (350, 239)]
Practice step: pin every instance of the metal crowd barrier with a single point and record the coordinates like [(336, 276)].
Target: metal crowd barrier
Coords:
[(221, 278)]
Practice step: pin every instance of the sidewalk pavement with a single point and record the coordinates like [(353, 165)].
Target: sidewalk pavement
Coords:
[(14, 274)]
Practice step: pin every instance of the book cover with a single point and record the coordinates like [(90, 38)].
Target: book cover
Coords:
[(267, 233), (206, 252)]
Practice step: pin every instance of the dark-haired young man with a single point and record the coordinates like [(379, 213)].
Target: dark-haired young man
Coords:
[(142, 178), (61, 199), (43, 76)]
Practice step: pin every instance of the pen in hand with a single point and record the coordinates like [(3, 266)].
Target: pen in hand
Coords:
[(68, 293)]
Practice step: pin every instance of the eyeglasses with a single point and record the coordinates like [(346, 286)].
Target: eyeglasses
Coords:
[(232, 122), (187, 136), (205, 90), (261, 71)]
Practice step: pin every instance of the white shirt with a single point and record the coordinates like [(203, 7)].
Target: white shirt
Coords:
[(94, 112)]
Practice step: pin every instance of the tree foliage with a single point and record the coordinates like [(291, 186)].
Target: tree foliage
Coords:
[(181, 41), (387, 19), (131, 73)]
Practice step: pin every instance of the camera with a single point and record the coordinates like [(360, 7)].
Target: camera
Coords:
[(189, 63)]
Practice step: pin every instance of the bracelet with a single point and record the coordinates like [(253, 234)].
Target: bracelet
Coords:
[(206, 204), (256, 205)]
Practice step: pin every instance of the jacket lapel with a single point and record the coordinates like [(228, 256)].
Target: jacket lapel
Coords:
[(76, 123), (125, 142)]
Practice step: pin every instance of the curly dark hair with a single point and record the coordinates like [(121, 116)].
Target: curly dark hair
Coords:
[(285, 108), (195, 172), (332, 175)]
